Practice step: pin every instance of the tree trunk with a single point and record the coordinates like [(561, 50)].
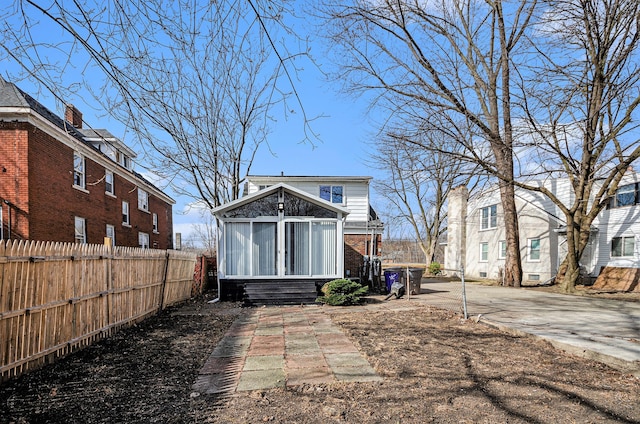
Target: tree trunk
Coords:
[(513, 265)]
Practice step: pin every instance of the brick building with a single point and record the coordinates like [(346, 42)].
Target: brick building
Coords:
[(62, 182)]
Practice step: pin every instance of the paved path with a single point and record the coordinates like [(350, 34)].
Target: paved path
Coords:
[(278, 346), (601, 329)]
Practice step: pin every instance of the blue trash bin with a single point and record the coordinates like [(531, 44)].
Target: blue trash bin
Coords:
[(391, 275)]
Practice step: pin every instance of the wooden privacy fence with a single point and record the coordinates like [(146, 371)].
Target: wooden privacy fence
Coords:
[(57, 297)]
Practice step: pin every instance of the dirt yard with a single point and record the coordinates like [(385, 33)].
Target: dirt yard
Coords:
[(437, 368)]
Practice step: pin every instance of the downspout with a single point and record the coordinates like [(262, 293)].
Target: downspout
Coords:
[(218, 250), (9, 219)]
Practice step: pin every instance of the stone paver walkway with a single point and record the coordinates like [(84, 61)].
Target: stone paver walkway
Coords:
[(278, 346)]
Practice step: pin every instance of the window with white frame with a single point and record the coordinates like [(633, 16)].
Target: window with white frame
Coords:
[(489, 217), (108, 183), (534, 249), (502, 249), (143, 240), (333, 194), (78, 170), (484, 252), (623, 246), (80, 230), (155, 223), (125, 213), (111, 233), (143, 200), (625, 195)]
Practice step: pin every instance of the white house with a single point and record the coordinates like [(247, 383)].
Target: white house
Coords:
[(476, 236), (289, 235)]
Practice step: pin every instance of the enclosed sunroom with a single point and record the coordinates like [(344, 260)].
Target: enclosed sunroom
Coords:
[(278, 245)]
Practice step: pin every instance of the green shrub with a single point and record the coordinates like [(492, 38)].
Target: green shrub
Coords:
[(435, 268), (341, 292)]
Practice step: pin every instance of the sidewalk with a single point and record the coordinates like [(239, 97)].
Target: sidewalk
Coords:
[(600, 329)]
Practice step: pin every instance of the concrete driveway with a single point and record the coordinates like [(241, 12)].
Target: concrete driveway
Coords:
[(601, 329)]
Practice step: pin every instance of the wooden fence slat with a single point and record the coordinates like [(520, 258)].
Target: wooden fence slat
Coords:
[(58, 297)]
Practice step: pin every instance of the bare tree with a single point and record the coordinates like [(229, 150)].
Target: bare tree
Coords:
[(582, 110), (196, 82), (417, 181), (454, 58)]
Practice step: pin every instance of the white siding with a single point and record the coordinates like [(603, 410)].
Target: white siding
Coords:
[(540, 218)]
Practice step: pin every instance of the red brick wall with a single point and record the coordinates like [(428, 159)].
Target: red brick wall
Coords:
[(356, 246), (14, 186), (51, 203)]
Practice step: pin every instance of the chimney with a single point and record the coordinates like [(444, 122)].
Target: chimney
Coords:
[(73, 116)]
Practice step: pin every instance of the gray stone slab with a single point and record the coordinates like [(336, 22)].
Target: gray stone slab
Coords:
[(356, 374), (261, 380), (266, 362), (338, 360)]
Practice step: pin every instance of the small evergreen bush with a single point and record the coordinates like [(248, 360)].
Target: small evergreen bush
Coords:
[(435, 268), (341, 292)]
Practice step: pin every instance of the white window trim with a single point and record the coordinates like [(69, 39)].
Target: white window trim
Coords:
[(83, 238), (113, 236), (484, 243), (111, 193), (127, 222), (500, 255), (142, 236), (155, 223), (83, 172), (344, 195), (529, 259), (489, 226), (622, 255), (143, 201)]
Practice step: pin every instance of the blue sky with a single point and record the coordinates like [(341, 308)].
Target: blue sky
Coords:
[(344, 132)]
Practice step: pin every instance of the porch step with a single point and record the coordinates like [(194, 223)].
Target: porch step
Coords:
[(280, 292)]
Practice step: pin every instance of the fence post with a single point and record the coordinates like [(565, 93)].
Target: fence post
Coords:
[(164, 279), (464, 293)]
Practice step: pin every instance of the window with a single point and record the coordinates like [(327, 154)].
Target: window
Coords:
[(484, 252), (623, 246), (108, 182), (534, 277), (123, 160), (502, 251), (81, 230), (111, 233), (155, 222), (125, 213), (143, 200), (489, 217), (534, 249), (251, 248), (143, 240), (625, 195), (78, 170), (333, 194)]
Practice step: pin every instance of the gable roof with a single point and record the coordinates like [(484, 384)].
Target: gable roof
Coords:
[(271, 189)]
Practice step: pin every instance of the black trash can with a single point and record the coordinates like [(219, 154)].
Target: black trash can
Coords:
[(415, 278), (391, 275)]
